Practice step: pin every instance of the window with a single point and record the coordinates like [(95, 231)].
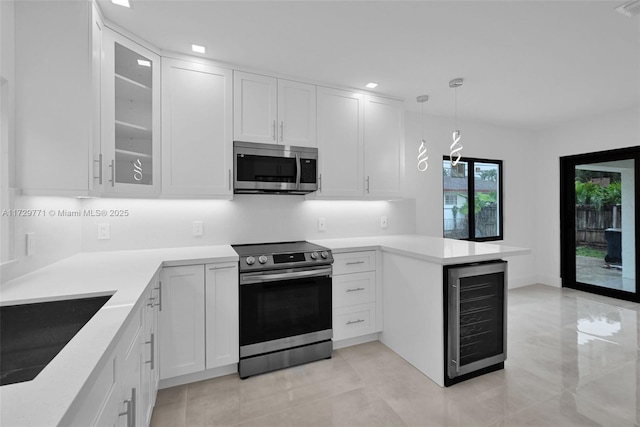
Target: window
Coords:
[(483, 179)]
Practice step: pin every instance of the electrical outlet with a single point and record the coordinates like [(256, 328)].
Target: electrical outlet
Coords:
[(30, 244), (198, 228), (104, 231), (383, 222), (322, 225)]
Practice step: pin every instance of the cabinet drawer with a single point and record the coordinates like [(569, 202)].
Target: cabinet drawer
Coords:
[(354, 262), (353, 289), (353, 321)]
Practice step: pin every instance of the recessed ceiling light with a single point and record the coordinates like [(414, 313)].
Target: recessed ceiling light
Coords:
[(198, 49), (372, 85), (124, 3), (144, 62)]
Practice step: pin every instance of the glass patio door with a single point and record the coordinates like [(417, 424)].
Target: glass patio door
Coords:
[(599, 213)]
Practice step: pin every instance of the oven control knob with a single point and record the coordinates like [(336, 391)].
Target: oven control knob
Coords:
[(250, 260), (262, 259), (314, 255), (324, 254)]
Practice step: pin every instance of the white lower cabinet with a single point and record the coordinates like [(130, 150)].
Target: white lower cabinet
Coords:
[(150, 372), (122, 392), (222, 335), (198, 318), (355, 295), (181, 320)]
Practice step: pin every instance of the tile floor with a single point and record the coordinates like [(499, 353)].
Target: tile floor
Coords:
[(573, 360)]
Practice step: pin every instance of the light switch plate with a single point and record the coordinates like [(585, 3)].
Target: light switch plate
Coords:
[(104, 231), (383, 222), (30, 244), (322, 225), (198, 228)]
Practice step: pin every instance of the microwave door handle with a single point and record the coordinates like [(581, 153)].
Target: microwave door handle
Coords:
[(297, 171)]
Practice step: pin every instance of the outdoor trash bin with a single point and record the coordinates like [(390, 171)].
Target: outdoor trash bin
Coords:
[(614, 245)]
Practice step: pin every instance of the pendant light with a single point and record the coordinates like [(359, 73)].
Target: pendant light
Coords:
[(422, 150), (455, 147)]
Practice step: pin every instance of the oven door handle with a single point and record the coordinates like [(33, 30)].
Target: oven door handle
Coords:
[(251, 278)]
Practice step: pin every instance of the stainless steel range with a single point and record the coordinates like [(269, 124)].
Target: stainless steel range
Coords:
[(285, 305)]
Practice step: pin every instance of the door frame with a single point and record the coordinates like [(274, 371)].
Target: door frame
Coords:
[(568, 220)]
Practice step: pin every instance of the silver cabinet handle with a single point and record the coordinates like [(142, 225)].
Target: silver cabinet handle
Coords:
[(222, 268), (159, 288), (354, 262), (281, 130), (367, 184), (351, 322), (99, 162), (355, 289), (152, 341), (131, 409), (274, 130), (113, 172)]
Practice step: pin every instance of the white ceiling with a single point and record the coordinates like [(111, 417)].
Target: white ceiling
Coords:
[(526, 64)]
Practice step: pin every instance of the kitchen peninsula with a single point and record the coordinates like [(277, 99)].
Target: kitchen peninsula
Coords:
[(413, 300), (410, 263)]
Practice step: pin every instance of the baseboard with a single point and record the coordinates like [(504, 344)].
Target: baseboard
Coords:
[(520, 282), (556, 282), (207, 374), (356, 340)]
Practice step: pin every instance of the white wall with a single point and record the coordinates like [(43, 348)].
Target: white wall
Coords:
[(616, 130), (515, 148), (245, 219), (56, 237)]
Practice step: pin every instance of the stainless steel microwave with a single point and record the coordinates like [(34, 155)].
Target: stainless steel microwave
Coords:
[(275, 169)]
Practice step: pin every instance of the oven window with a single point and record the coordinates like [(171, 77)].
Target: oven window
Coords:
[(274, 310), (266, 169)]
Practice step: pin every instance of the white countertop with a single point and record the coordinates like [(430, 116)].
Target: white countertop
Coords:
[(433, 249), (125, 274)]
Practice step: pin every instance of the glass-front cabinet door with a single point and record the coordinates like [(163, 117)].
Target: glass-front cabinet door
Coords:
[(130, 117)]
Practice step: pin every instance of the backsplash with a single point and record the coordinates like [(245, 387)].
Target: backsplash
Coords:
[(245, 219)]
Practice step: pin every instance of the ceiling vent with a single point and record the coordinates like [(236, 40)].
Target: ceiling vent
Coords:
[(631, 8)]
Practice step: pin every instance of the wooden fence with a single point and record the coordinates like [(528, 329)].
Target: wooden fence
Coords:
[(591, 224)]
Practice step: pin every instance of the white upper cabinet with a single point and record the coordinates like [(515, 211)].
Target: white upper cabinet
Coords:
[(296, 113), (360, 146), (57, 65), (130, 117), (273, 111), (197, 145), (383, 147), (254, 108), (340, 143)]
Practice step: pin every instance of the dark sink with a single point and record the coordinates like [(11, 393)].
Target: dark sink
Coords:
[(31, 335)]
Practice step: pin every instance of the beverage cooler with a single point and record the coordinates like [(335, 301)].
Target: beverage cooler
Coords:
[(475, 318)]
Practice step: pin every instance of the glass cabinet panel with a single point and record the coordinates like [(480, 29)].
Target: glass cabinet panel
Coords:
[(133, 117)]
